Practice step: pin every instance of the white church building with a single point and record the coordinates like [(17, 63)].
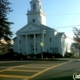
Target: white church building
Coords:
[(36, 36)]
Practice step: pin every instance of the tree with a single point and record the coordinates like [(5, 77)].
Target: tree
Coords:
[(5, 32), (76, 32)]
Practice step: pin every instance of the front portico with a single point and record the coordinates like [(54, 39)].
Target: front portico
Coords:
[(31, 41)]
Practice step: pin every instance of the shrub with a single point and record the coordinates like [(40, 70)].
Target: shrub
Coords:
[(68, 55), (57, 55), (45, 54)]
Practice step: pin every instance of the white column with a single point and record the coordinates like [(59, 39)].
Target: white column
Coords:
[(18, 44), (26, 45), (43, 41), (34, 45)]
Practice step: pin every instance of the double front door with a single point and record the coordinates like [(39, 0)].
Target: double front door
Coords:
[(33, 49)]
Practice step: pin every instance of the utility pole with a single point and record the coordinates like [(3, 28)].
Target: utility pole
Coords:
[(41, 43)]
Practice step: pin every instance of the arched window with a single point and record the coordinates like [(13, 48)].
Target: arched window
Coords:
[(34, 6)]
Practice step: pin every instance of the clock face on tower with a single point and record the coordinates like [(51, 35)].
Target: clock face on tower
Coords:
[(33, 20)]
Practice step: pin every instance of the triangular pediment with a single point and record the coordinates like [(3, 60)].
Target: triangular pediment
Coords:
[(29, 28), (33, 28)]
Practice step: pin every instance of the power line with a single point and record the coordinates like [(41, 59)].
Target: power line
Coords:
[(67, 26)]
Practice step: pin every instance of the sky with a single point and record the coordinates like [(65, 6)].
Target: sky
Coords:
[(61, 15)]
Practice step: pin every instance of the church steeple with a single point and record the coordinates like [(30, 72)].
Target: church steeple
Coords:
[(36, 5), (36, 12)]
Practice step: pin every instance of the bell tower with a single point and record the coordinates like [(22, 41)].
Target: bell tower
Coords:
[(36, 5), (36, 15)]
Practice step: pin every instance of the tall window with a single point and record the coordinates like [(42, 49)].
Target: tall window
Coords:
[(36, 35), (34, 6), (50, 39), (50, 48), (40, 6), (19, 41), (20, 49)]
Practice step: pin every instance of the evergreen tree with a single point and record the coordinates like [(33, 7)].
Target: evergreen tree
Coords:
[(5, 32)]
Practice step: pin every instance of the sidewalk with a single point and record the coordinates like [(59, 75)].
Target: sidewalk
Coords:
[(69, 59)]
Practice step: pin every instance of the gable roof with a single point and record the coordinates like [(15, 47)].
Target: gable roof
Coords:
[(60, 34), (37, 26), (48, 28)]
